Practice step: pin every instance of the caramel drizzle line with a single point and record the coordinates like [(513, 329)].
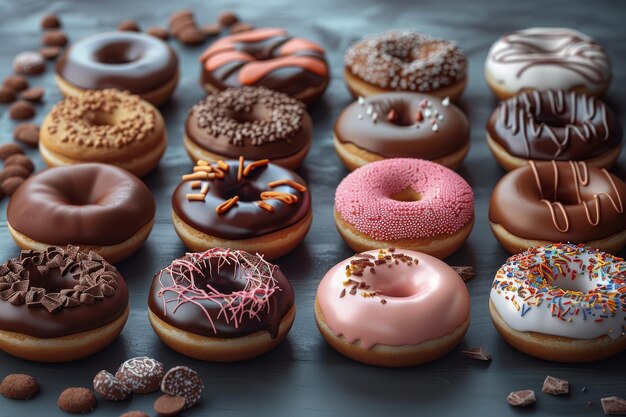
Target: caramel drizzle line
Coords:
[(297, 186), (222, 165), (226, 205), (286, 198), (240, 169), (265, 206), (253, 165)]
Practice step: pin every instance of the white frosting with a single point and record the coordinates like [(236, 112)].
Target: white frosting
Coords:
[(548, 58), (589, 322)]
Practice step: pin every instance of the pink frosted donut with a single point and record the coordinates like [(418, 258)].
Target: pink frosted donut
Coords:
[(403, 202), (392, 307)]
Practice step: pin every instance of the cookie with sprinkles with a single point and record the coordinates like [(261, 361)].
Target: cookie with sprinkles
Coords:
[(182, 381), (109, 387), (142, 374)]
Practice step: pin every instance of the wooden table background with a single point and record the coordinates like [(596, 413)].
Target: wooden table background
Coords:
[(304, 377)]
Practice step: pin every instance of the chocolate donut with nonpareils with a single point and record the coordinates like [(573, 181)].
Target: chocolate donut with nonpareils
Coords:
[(401, 125), (554, 125)]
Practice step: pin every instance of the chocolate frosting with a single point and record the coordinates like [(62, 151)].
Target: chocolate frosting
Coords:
[(251, 121), (400, 125), (554, 124), (245, 219), (129, 61), (59, 292), (83, 204), (231, 280), (559, 202)]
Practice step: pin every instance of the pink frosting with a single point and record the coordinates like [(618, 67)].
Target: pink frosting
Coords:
[(363, 199), (415, 302)]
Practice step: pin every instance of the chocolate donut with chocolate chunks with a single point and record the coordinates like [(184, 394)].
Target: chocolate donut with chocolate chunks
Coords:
[(554, 125)]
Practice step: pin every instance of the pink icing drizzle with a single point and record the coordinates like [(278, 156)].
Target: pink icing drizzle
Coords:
[(427, 301), (364, 200)]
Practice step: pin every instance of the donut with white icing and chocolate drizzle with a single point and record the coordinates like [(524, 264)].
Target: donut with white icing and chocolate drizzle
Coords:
[(544, 58), (254, 206), (221, 305), (266, 57), (254, 122), (559, 201), (554, 125), (405, 60)]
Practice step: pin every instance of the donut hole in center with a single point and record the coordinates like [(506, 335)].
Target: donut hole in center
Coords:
[(52, 282), (394, 287), (579, 284), (407, 195), (118, 53), (221, 278), (99, 118), (552, 120), (246, 192), (403, 115), (256, 114)]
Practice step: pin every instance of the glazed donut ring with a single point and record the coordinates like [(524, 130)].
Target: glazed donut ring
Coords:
[(392, 307), (107, 126), (561, 302), (405, 61), (60, 304), (405, 203), (559, 202)]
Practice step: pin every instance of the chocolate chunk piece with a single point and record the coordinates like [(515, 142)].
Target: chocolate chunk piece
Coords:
[(240, 27), (521, 398), (184, 382), (109, 387), (9, 149), (77, 400), (21, 160), (181, 15), (54, 38), (27, 133), (212, 29), (555, 386), (50, 52), (16, 82), (21, 110), (10, 185), (158, 32), (29, 63), (465, 272), (129, 26), (33, 94), (227, 18), (169, 405), (19, 387), (613, 405), (478, 353), (191, 35), (142, 374), (50, 21), (7, 94), (134, 414), (13, 171)]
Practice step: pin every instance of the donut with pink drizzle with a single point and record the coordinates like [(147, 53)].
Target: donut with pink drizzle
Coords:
[(221, 305), (392, 307), (408, 203)]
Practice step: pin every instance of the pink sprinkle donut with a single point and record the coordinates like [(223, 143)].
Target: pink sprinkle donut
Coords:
[(392, 307), (403, 202)]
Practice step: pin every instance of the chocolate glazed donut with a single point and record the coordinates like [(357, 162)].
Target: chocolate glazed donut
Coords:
[(559, 202), (269, 58), (554, 125)]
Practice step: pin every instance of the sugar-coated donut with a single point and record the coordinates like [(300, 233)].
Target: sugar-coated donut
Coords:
[(254, 206), (547, 58), (561, 302), (60, 304), (266, 57), (404, 203), (554, 125), (221, 305), (404, 60), (392, 307), (559, 201), (107, 126), (253, 122), (95, 206), (136, 62), (397, 125)]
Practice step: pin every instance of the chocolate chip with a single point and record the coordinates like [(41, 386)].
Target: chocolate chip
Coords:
[(613, 405), (7, 94), (50, 52), (240, 27), (181, 15), (521, 398), (191, 36), (29, 63), (169, 405), (33, 94), (109, 387), (212, 29), (555, 386), (141, 374), (10, 185), (477, 353), (19, 159), (181, 26), (21, 110), (227, 19), (27, 133), (134, 414), (129, 26), (19, 387), (13, 171), (16, 82), (465, 272), (50, 21), (183, 382), (77, 400), (54, 38), (159, 33)]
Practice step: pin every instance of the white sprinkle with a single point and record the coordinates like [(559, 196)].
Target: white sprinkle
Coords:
[(427, 112), (435, 128), (445, 102), (361, 101), (359, 116), (369, 110), (440, 117)]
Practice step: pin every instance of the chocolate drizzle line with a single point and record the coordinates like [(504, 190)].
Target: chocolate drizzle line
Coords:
[(580, 174)]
